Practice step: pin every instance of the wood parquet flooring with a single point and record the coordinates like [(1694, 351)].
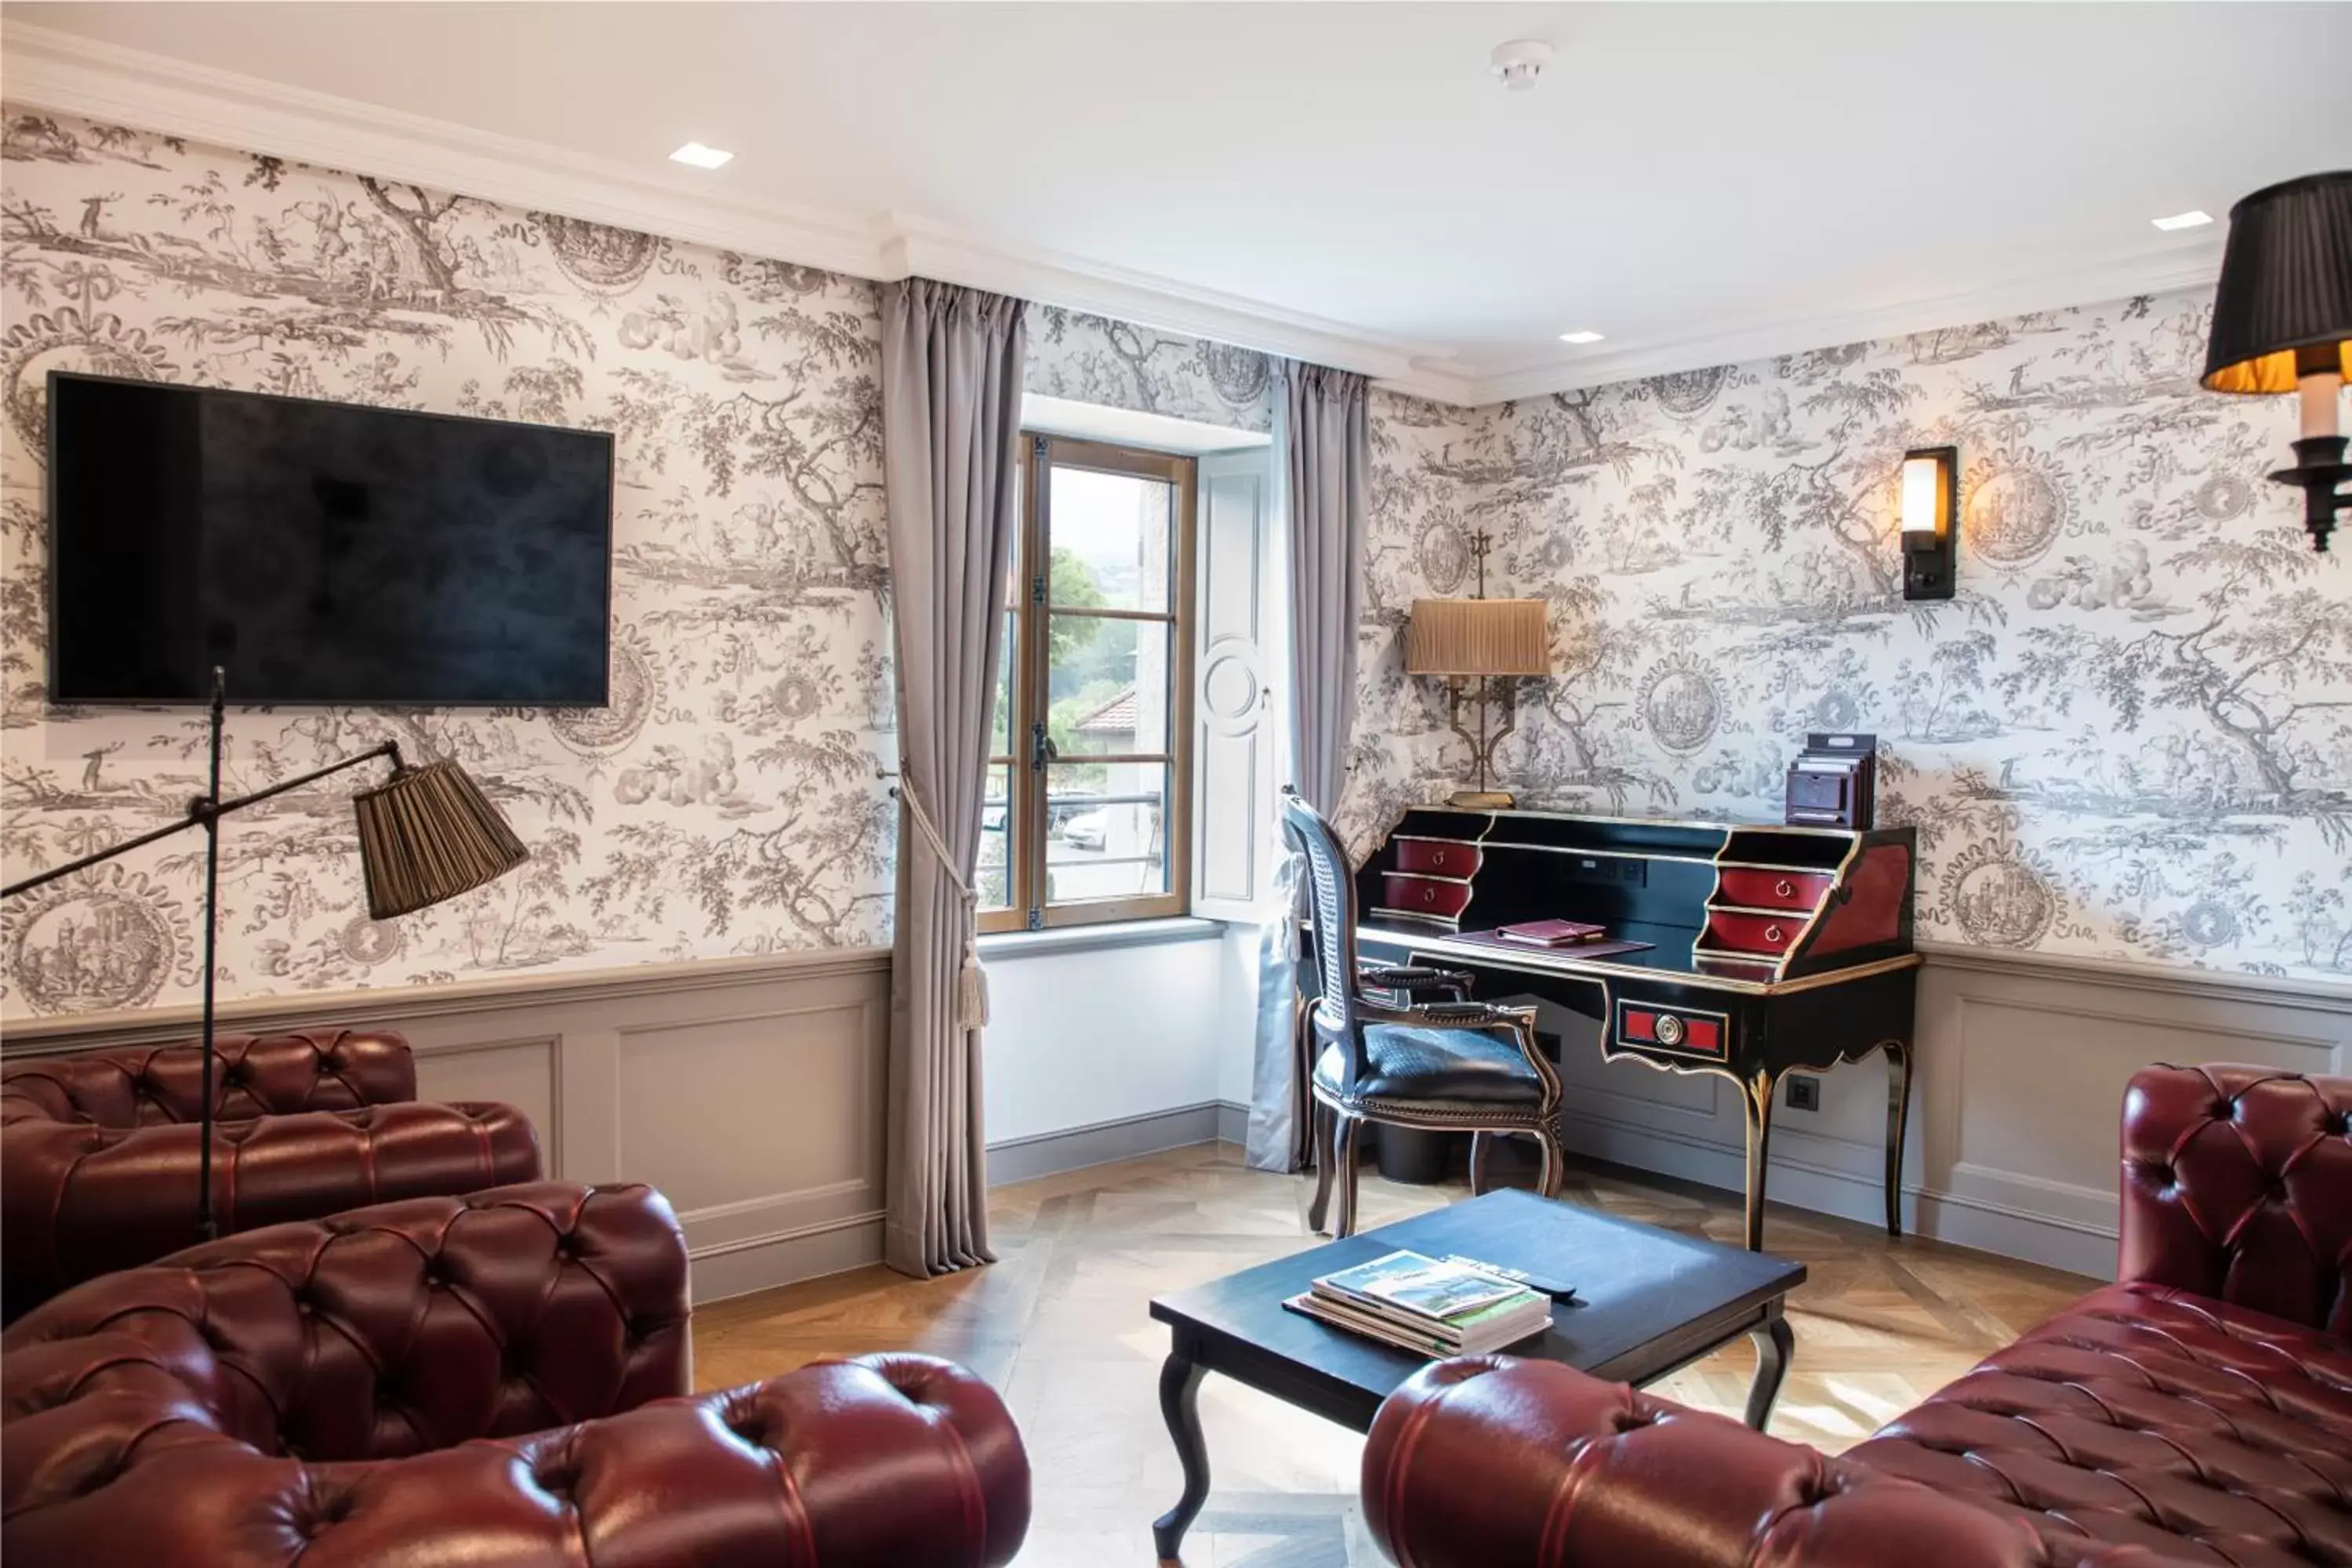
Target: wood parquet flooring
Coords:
[(1059, 1325)]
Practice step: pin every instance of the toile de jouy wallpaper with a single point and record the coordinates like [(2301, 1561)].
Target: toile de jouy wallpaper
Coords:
[(2129, 734), (725, 804)]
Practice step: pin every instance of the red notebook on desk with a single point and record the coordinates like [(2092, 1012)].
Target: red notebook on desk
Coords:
[(1552, 933)]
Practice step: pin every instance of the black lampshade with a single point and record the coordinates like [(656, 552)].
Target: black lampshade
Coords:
[(427, 835), (2286, 284)]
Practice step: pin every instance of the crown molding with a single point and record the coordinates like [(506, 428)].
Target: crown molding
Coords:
[(2195, 264), (63, 72)]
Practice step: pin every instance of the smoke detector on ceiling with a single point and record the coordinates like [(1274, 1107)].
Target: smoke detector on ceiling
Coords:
[(1519, 62)]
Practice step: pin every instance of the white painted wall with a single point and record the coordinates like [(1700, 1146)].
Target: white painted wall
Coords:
[(1077, 1039)]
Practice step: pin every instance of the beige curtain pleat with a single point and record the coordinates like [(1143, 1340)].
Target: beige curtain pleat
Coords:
[(1327, 430), (951, 363)]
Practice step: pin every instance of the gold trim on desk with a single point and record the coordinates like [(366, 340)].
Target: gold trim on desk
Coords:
[(1595, 968)]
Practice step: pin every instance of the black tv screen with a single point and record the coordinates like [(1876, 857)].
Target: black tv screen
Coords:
[(320, 552)]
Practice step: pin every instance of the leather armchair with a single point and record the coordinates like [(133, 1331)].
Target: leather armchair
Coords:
[(2198, 1410), (489, 1381), (99, 1150)]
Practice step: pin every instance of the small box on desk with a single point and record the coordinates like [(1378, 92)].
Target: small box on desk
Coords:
[(1833, 782)]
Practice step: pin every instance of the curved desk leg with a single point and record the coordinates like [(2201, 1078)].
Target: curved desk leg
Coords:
[(1757, 1093), (1898, 1105), (1179, 1392), (1774, 1344)]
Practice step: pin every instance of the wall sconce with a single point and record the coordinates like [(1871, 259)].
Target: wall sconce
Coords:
[(2283, 322), (1931, 535)]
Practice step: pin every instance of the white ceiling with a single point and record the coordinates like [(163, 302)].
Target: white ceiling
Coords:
[(1699, 182)]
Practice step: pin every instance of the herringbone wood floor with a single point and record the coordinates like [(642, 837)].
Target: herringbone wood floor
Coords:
[(1058, 1324)]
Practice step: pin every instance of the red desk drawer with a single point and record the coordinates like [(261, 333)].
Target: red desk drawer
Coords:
[(1425, 895), (1673, 1029), (1761, 890), (1445, 857), (1752, 934)]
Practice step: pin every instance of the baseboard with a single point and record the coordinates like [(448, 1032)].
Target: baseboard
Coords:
[(1232, 1122), (1964, 1222), (1100, 1142), (721, 1272)]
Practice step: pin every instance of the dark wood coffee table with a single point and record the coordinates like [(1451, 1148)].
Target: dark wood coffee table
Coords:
[(1647, 1302)]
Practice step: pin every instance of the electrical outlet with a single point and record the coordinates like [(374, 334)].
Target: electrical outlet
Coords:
[(1805, 1092)]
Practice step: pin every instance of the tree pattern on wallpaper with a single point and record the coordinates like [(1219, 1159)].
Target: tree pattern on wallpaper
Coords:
[(1117, 365), (724, 802), (2129, 733)]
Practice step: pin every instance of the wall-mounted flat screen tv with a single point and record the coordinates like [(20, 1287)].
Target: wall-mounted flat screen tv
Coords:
[(322, 553)]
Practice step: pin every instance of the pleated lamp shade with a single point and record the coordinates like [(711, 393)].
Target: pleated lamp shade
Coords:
[(1477, 636), (2286, 284), (427, 835)]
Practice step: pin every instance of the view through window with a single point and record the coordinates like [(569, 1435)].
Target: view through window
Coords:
[(1087, 805)]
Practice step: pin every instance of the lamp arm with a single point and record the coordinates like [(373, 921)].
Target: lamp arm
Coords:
[(200, 810)]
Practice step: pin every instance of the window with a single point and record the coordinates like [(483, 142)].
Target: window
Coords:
[(1089, 783)]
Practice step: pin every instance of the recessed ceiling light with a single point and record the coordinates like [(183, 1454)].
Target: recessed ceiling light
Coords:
[(2182, 220), (700, 156), (1579, 337)]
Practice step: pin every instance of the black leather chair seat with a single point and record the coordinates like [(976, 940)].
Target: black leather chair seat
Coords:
[(1411, 1062)]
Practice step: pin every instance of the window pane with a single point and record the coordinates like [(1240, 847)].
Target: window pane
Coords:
[(995, 884), (1106, 830), (1107, 690), (1110, 541), (1008, 655)]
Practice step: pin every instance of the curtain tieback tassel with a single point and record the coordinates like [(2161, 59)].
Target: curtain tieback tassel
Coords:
[(972, 980)]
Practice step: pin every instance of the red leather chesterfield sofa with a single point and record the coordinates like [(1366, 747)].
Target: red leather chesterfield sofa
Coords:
[(2199, 1411), (98, 1149), (481, 1381)]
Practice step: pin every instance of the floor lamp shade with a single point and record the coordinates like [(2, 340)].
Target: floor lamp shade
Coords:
[(427, 835), (1477, 636)]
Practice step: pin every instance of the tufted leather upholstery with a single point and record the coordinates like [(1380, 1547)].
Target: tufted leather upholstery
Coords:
[(2237, 1184), (478, 1380), (99, 1151), (1403, 1061), (2160, 1422)]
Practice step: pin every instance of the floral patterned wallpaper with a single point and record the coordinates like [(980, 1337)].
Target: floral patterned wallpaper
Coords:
[(2129, 735), (724, 804)]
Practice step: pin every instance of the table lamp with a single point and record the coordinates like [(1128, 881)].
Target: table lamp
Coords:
[(1477, 641)]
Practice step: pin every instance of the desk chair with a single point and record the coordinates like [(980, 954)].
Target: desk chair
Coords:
[(1456, 1066)]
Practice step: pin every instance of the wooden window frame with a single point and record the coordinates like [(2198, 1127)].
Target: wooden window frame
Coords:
[(1028, 587)]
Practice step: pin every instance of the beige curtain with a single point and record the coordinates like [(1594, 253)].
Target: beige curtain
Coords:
[(1327, 433), (951, 363)]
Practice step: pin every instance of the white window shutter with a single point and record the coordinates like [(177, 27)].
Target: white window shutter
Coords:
[(1234, 714)]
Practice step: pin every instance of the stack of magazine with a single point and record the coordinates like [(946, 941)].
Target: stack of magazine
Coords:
[(1426, 1305)]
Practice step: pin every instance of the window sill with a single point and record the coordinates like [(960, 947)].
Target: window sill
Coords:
[(1004, 946)]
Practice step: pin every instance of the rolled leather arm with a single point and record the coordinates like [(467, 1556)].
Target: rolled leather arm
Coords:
[(879, 1462), (77, 1200), (2237, 1184), (1488, 1461)]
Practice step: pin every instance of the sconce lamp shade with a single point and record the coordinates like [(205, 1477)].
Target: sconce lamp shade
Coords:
[(2287, 285), (1477, 636), (1927, 494), (427, 835)]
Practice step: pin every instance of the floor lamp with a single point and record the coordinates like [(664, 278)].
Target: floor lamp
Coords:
[(427, 835)]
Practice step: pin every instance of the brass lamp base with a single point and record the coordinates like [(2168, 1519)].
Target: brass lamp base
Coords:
[(1483, 799)]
